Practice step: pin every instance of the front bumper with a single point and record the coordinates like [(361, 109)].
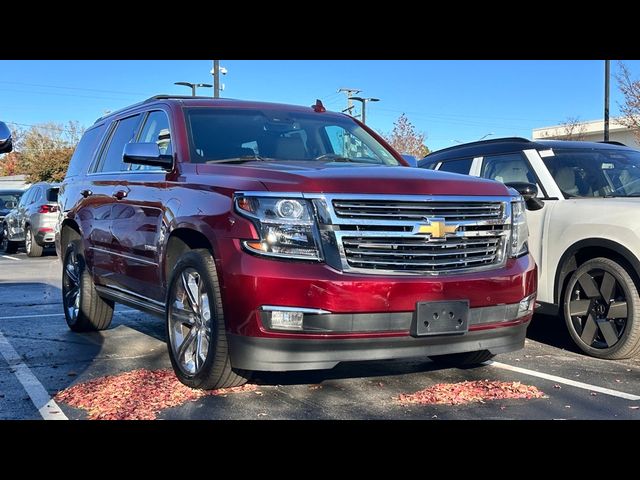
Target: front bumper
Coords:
[(250, 282), (287, 354)]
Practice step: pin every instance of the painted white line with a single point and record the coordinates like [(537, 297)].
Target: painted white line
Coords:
[(565, 381), (57, 315), (48, 408), (11, 258)]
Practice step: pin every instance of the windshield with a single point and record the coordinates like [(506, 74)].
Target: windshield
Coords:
[(596, 172), (223, 135), (9, 201)]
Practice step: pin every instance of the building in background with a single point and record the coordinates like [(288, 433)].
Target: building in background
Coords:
[(592, 131), (13, 181)]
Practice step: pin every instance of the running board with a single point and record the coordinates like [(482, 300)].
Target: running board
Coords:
[(132, 301)]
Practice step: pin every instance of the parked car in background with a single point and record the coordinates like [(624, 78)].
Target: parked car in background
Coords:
[(8, 201), (278, 237), (584, 227), (6, 143), (33, 220)]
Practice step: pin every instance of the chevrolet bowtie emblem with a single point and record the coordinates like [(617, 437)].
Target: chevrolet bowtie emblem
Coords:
[(437, 228)]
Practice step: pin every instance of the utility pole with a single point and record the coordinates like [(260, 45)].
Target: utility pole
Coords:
[(349, 92), (364, 105), (216, 79), (606, 100)]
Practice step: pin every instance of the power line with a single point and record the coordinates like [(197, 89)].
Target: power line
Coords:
[(71, 88)]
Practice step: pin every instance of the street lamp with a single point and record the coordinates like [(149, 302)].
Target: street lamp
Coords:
[(193, 86), (364, 105)]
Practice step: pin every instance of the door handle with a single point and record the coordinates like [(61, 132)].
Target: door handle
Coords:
[(86, 193), (120, 194)]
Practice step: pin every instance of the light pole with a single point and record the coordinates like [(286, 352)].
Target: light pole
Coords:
[(216, 71), (364, 105), (606, 100), (193, 86)]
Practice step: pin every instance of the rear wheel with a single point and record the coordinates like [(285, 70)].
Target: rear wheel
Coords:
[(84, 309), (465, 359), (30, 244), (7, 245), (196, 333), (602, 310)]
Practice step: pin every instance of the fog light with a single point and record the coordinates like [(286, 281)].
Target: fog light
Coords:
[(526, 306), (286, 320)]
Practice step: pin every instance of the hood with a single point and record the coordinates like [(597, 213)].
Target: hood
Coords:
[(322, 177)]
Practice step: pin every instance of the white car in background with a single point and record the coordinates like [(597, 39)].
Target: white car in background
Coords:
[(584, 229)]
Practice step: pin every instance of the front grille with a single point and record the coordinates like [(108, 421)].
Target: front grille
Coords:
[(419, 254), (379, 235), (417, 210)]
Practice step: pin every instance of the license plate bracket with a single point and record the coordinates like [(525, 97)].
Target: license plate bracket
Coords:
[(441, 318)]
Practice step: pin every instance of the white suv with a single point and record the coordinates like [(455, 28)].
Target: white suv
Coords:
[(584, 229)]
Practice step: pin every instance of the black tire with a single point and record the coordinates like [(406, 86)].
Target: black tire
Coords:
[(30, 245), (7, 245), (90, 312), (466, 359), (596, 299), (215, 371)]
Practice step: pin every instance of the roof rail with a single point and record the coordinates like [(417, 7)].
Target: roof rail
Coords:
[(613, 142), (163, 96), (484, 142)]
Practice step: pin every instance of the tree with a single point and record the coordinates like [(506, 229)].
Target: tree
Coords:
[(405, 139), (43, 151), (630, 109), (571, 129)]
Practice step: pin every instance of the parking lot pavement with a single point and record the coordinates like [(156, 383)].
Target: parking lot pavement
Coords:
[(39, 356)]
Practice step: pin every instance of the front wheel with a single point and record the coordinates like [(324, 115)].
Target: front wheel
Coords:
[(466, 359), (602, 310), (195, 327)]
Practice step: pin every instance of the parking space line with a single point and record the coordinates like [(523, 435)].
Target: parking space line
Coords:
[(11, 258), (47, 407), (565, 381), (17, 317)]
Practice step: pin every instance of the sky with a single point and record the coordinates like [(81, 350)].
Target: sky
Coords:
[(452, 102)]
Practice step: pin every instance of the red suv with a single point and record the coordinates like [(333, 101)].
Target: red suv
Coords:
[(275, 237)]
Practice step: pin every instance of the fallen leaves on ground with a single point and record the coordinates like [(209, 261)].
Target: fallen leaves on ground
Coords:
[(469, 392), (135, 395)]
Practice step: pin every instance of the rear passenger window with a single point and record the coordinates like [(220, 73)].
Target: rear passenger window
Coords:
[(34, 196), (85, 151), (123, 133), (457, 166), (507, 168)]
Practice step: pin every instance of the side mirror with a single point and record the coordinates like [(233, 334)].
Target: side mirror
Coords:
[(146, 154), (410, 159), (6, 145), (529, 192)]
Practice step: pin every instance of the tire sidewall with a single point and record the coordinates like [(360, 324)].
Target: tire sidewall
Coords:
[(628, 287), (198, 263)]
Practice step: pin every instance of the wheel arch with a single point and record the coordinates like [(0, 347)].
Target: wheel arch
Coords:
[(67, 225), (585, 249), (180, 240)]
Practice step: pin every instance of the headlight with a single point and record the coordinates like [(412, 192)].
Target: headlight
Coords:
[(286, 226), (519, 229)]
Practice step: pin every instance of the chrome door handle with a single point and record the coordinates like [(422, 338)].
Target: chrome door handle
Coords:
[(86, 193)]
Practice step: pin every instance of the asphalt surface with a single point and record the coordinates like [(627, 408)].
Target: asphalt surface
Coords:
[(49, 358)]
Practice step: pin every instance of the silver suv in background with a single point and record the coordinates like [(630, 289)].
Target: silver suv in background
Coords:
[(32, 221)]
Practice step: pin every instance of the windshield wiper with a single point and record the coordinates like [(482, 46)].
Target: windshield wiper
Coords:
[(246, 158), (334, 158)]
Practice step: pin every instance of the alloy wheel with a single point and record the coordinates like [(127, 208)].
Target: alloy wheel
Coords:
[(71, 290), (27, 240), (189, 321), (5, 239), (598, 309)]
